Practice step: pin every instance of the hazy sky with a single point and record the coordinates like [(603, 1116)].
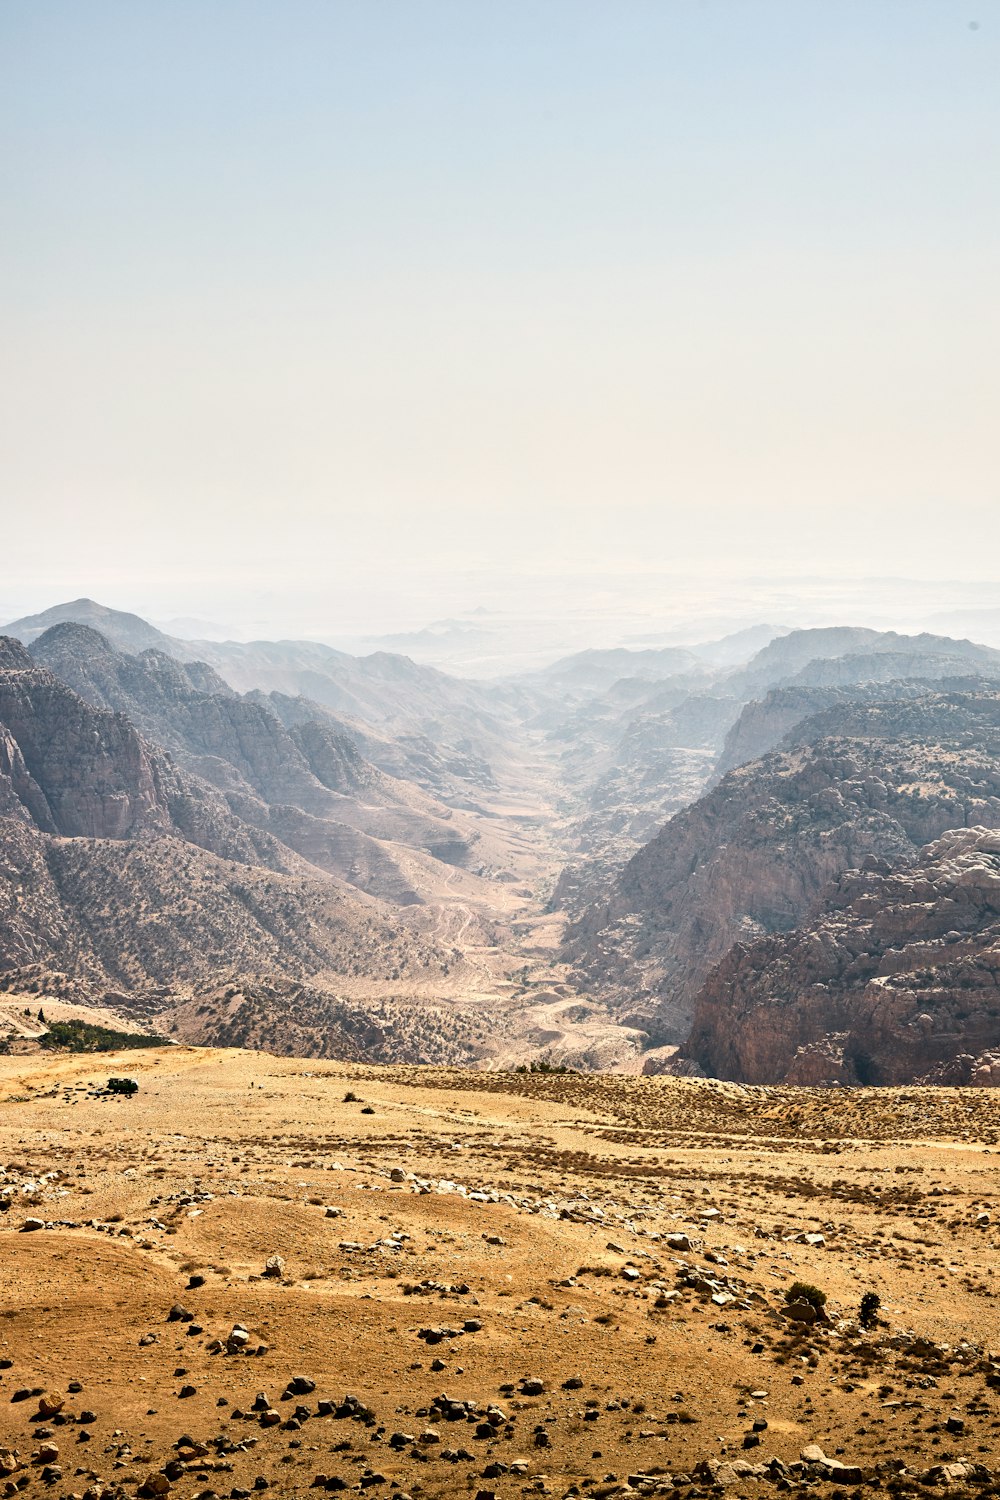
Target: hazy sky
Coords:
[(367, 289)]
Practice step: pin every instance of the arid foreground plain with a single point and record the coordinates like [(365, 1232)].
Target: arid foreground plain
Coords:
[(263, 1274)]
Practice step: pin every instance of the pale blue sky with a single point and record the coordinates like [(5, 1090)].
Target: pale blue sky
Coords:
[(389, 284)]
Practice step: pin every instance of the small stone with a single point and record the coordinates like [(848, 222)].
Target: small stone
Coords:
[(300, 1385)]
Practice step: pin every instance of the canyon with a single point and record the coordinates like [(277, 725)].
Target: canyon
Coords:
[(589, 865)]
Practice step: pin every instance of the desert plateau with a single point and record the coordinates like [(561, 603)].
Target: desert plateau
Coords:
[(265, 1274)]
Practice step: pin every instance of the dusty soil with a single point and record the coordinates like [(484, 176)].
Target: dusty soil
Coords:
[(524, 1240)]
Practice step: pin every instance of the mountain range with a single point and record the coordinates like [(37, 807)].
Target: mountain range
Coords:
[(628, 858)]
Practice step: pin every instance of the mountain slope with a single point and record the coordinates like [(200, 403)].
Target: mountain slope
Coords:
[(120, 871), (896, 979), (764, 723), (752, 855), (73, 770), (127, 631), (309, 786), (462, 730)]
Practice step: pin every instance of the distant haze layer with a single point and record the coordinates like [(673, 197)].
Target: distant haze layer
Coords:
[(351, 299)]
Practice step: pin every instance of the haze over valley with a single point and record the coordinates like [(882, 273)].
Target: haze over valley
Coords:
[(290, 847)]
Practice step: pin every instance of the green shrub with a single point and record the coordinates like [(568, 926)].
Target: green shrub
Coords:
[(542, 1065), (868, 1312), (82, 1036), (804, 1291)]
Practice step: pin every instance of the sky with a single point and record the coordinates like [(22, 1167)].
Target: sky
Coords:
[(386, 304)]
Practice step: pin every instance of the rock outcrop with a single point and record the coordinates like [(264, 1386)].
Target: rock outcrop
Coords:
[(896, 979), (119, 870), (307, 785), (753, 855), (764, 723)]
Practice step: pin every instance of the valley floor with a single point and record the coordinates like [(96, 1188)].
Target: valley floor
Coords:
[(488, 1283)]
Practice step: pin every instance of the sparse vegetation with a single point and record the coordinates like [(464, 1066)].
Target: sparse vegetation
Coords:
[(125, 1086), (804, 1291), (82, 1036), (542, 1065)]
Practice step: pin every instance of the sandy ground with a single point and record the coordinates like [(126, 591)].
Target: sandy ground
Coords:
[(524, 1239)]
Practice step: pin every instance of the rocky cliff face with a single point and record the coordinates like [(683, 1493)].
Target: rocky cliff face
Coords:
[(307, 785), (120, 871), (89, 773), (764, 723), (752, 856), (235, 743), (72, 770), (896, 979), (462, 728)]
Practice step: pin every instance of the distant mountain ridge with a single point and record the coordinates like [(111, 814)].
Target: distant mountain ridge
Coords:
[(307, 785), (462, 727), (129, 632), (797, 657)]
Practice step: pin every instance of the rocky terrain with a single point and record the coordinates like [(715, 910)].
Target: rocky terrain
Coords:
[(122, 873), (896, 977), (753, 855), (260, 1274), (307, 784), (841, 655), (457, 731), (763, 723), (258, 841)]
